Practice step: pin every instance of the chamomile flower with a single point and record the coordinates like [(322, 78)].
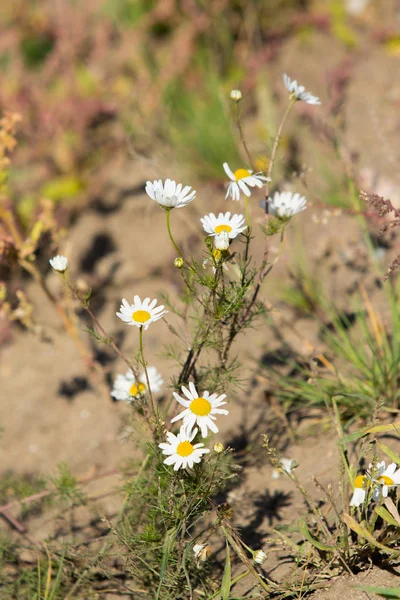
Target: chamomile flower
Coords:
[(127, 388), (379, 480), (201, 552), (299, 91), (242, 180), (232, 225), (169, 194), (180, 451), (259, 557), (141, 313), (286, 466), (59, 263), (286, 204), (200, 410), (236, 95)]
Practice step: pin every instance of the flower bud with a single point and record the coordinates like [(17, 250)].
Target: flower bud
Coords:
[(236, 95), (218, 447), (178, 262), (259, 556)]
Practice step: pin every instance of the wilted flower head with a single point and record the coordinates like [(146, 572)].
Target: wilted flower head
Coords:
[(299, 92), (286, 466), (140, 313), (242, 180), (201, 551), (236, 95), (286, 204), (169, 194), (59, 263), (259, 557)]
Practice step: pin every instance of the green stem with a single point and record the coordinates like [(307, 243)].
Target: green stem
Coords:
[(167, 214), (276, 144), (153, 406), (248, 218)]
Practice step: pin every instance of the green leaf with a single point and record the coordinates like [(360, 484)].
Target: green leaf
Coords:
[(167, 548), (62, 188), (393, 427), (305, 532), (386, 516), (392, 455), (226, 580), (364, 533), (384, 592)]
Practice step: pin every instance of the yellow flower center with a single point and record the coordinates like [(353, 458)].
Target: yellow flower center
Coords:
[(136, 389), (241, 174), (220, 228), (385, 480), (184, 449), (141, 316), (200, 407), (359, 480)]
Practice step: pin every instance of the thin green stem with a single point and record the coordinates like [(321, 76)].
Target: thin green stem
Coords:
[(276, 145), (167, 214), (153, 406), (233, 582), (248, 217)]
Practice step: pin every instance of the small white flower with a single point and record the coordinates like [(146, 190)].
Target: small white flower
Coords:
[(242, 180), (232, 225), (299, 91), (199, 410), (201, 552), (180, 451), (59, 263), (236, 95), (379, 480), (140, 313), (286, 204), (285, 467), (221, 241), (169, 194), (127, 388), (259, 557), (218, 448)]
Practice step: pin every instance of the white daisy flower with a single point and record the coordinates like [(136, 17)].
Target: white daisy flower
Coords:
[(59, 263), (127, 388), (232, 225), (380, 480), (221, 241), (242, 180), (141, 313), (180, 451), (286, 204), (286, 465), (299, 91), (199, 410), (169, 194)]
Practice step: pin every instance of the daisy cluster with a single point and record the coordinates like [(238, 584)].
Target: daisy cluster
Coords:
[(375, 483), (200, 410)]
